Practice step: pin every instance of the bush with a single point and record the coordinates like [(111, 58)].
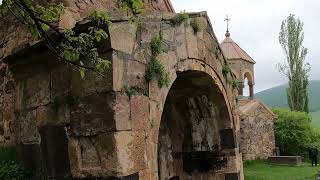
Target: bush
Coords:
[(10, 168), (294, 134)]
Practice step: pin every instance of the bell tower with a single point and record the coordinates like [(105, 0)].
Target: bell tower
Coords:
[(241, 63)]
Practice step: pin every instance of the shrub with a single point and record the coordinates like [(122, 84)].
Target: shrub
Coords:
[(196, 25), (293, 133), (179, 19), (156, 72), (10, 168)]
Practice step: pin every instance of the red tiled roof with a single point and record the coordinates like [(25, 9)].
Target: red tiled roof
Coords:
[(233, 51)]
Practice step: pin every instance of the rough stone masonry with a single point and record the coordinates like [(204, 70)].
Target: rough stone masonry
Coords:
[(66, 126)]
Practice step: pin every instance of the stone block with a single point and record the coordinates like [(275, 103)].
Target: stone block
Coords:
[(168, 34), (139, 106), (232, 176), (103, 112), (118, 72), (93, 114), (192, 45), (135, 74), (61, 81), (111, 154), (53, 114), (285, 160), (121, 108), (92, 83), (181, 46), (123, 36), (33, 92), (74, 157), (149, 30), (131, 152), (29, 132), (228, 140), (202, 50), (141, 55)]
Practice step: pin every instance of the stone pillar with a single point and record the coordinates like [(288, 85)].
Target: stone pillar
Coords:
[(251, 90), (240, 91)]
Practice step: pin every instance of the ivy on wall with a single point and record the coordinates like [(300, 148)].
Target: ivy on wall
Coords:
[(156, 71)]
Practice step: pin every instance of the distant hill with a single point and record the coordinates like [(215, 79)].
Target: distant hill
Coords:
[(277, 96)]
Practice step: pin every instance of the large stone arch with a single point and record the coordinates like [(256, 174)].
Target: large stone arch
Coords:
[(112, 133), (194, 117)]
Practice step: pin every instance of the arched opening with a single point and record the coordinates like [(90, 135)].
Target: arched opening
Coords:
[(248, 85), (195, 130)]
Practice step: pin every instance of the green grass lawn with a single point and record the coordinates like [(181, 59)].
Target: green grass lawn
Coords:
[(262, 171)]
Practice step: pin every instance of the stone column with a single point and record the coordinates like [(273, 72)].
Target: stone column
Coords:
[(251, 90), (240, 91)]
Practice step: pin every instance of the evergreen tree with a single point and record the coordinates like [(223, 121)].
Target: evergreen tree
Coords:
[(291, 39)]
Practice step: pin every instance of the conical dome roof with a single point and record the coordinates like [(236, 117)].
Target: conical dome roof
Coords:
[(233, 51)]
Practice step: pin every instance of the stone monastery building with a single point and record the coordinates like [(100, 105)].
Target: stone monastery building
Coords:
[(66, 127)]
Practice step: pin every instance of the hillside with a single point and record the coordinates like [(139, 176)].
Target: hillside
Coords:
[(276, 96)]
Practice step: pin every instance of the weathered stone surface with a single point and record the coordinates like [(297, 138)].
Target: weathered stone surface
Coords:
[(149, 31), (286, 160), (113, 135), (257, 139), (121, 108), (100, 113), (55, 114), (139, 106), (123, 36), (28, 131), (135, 74), (33, 92), (93, 114), (118, 70)]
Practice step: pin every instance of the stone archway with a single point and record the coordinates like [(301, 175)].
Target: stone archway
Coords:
[(249, 77), (193, 130)]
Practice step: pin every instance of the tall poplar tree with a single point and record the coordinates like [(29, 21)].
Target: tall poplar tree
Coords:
[(295, 68)]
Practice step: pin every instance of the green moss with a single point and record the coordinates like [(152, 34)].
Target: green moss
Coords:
[(179, 19), (134, 90), (157, 45), (226, 70), (196, 25), (235, 83), (157, 72)]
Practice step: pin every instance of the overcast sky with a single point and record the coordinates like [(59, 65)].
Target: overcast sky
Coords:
[(255, 26)]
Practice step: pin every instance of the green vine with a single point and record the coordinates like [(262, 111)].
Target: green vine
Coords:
[(156, 71), (235, 83), (178, 19), (76, 49), (226, 70), (135, 6), (157, 45), (196, 25), (81, 48), (134, 90)]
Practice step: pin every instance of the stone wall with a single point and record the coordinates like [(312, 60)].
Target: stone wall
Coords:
[(109, 133), (256, 131), (13, 37)]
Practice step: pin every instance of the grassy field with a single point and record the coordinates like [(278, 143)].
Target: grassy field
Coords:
[(260, 170)]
